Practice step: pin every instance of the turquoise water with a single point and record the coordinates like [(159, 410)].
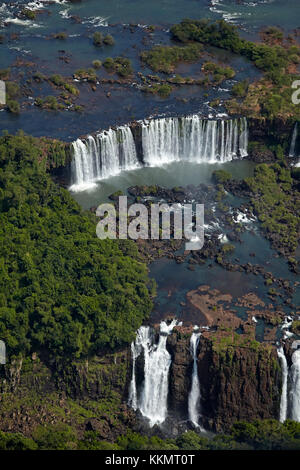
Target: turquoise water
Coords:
[(249, 14), (169, 176)]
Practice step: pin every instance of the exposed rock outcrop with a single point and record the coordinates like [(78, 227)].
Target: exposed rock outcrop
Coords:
[(180, 373), (237, 382), (95, 379), (86, 395)]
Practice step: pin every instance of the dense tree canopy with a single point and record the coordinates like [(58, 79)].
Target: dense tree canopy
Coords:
[(276, 204), (226, 36), (257, 435), (62, 290)]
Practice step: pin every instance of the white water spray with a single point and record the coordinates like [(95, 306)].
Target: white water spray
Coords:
[(194, 396), (295, 386), (102, 156), (143, 341), (153, 400), (2, 352), (290, 394), (163, 141), (284, 395), (193, 139), (293, 142)]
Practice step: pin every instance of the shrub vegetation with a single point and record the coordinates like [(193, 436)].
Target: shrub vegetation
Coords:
[(62, 290), (257, 435), (120, 65), (165, 58)]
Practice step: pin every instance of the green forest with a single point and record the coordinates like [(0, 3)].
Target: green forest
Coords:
[(63, 292), (258, 435)]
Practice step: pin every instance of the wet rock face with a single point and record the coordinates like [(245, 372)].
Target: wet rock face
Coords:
[(262, 155), (33, 395), (239, 384), (180, 374), (95, 380), (270, 132), (266, 129), (136, 130), (236, 384)]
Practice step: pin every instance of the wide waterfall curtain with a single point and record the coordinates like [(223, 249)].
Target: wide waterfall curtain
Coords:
[(163, 140)]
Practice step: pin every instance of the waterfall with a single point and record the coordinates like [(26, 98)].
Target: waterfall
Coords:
[(82, 163), (164, 141), (243, 140), (157, 360), (193, 139), (154, 396), (102, 156), (160, 140), (132, 388), (2, 352), (293, 142), (194, 396), (144, 339), (290, 394), (284, 396), (295, 386)]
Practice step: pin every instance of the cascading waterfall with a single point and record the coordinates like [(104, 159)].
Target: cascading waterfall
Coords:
[(143, 341), (2, 352), (194, 396), (132, 401), (290, 393), (193, 139), (295, 386), (244, 137), (284, 395), (163, 141), (152, 397), (157, 360), (293, 142), (102, 156)]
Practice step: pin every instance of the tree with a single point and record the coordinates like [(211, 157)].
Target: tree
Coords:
[(98, 39)]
